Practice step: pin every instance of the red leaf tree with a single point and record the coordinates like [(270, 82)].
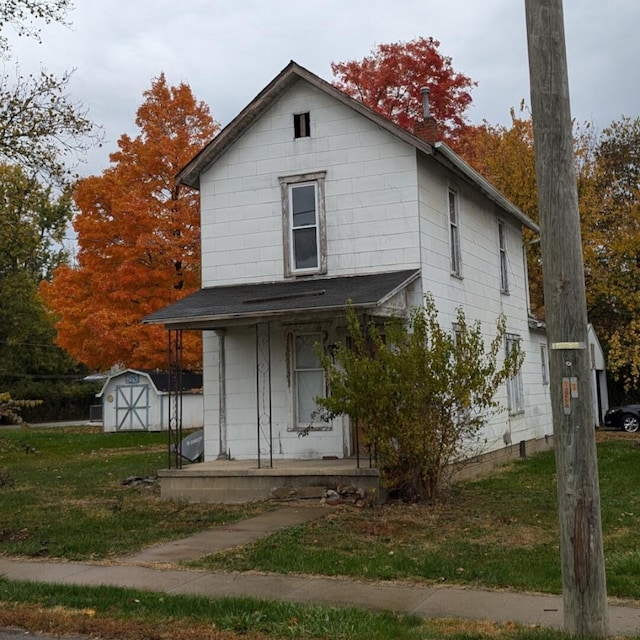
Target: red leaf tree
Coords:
[(390, 78), (138, 237)]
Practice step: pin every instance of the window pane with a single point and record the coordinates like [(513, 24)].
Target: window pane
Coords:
[(305, 248), (310, 384), (453, 214), (305, 354), (303, 205)]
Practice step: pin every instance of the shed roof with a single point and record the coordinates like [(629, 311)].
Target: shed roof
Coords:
[(247, 302), (160, 379)]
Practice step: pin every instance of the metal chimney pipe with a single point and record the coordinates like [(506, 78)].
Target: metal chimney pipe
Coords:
[(426, 109)]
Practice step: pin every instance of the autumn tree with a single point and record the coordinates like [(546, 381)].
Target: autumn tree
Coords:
[(41, 128), (420, 393), (611, 238), (390, 78), (138, 237)]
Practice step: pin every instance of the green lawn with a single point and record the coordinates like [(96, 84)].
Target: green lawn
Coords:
[(61, 495), (131, 614), (496, 532)]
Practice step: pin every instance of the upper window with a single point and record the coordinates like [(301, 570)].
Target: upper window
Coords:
[(502, 242), (301, 125), (304, 224), (515, 392), (454, 233)]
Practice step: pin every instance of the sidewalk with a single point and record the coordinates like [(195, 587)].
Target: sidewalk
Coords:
[(425, 601)]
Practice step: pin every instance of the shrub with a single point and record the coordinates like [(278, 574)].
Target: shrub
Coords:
[(419, 393)]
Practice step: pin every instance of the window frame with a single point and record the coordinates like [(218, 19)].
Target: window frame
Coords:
[(302, 125), (544, 363), (453, 217), (503, 257), (296, 371), (287, 184), (515, 389)]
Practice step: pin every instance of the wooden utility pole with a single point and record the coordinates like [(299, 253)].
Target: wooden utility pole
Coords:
[(583, 577)]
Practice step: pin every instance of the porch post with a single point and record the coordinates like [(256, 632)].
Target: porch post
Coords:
[(175, 397), (222, 396), (263, 388)]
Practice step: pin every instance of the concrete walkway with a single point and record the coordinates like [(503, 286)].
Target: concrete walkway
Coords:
[(426, 601)]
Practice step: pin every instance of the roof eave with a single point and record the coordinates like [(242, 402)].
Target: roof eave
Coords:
[(250, 317), (444, 152)]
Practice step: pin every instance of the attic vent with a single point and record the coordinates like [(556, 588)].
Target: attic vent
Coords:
[(301, 124)]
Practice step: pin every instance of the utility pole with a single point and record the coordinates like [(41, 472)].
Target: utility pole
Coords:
[(583, 576)]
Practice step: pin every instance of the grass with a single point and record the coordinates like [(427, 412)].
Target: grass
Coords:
[(62, 495), (128, 613), (496, 532)]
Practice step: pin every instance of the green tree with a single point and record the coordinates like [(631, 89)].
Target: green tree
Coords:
[(419, 393), (32, 227)]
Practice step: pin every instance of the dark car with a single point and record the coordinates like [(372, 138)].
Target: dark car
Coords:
[(626, 417)]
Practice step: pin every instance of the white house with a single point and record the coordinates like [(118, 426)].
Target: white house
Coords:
[(138, 400), (310, 199)]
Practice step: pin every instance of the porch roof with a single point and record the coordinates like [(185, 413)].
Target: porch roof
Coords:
[(216, 306)]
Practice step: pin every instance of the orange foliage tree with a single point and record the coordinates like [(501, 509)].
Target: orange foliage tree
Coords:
[(138, 238), (390, 78)]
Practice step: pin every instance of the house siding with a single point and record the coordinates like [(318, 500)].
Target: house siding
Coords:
[(478, 290), (370, 194), (241, 400)]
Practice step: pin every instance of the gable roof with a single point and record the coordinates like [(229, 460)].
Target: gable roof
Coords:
[(159, 379), (292, 73), (250, 302)]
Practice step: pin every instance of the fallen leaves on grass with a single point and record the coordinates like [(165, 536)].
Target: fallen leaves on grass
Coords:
[(62, 621)]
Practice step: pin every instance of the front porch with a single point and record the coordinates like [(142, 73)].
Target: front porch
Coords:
[(237, 481)]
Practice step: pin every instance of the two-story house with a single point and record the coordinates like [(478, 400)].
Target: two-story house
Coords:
[(310, 200)]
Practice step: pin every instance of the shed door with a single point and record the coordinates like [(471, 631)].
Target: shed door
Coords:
[(132, 407)]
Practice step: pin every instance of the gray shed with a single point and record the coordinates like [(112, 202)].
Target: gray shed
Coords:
[(138, 400)]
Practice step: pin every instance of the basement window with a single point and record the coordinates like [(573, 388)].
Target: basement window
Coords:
[(301, 125)]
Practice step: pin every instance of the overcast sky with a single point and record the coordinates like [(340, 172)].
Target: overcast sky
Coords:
[(228, 50)]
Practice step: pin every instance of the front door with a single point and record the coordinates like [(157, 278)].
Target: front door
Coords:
[(132, 407)]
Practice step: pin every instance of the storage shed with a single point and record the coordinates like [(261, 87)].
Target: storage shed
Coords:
[(138, 400), (600, 395)]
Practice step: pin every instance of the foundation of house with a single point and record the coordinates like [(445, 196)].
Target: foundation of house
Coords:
[(239, 481)]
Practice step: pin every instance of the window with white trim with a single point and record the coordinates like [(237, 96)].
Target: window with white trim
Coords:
[(502, 247), (454, 233), (308, 380), (304, 224), (515, 392)]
